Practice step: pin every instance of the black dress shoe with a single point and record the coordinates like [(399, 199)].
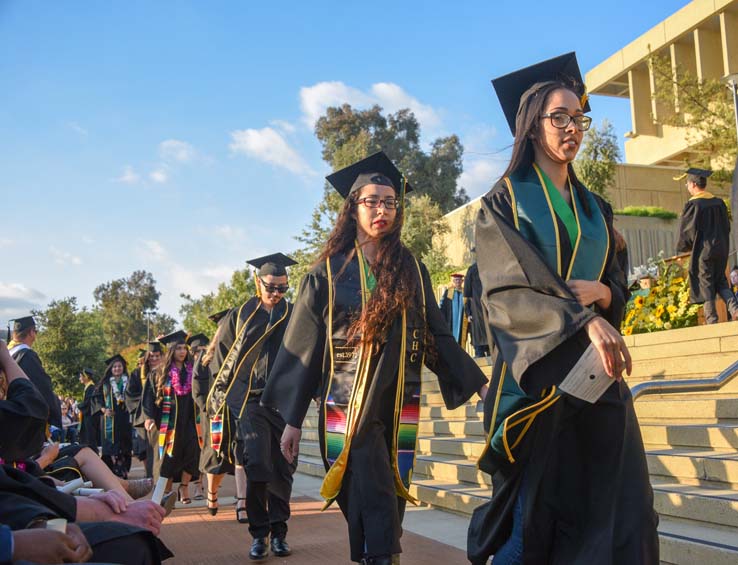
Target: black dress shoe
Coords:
[(377, 561), (259, 549), (280, 547)]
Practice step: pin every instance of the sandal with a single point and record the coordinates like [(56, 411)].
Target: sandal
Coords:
[(213, 510), (239, 510), (180, 498)]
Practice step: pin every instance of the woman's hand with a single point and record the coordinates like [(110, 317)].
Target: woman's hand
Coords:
[(611, 346), (290, 443), (483, 392), (591, 292), (107, 412), (48, 455), (149, 424)]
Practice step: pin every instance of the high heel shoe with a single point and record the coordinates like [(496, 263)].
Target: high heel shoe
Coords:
[(240, 510), (213, 510), (180, 497)]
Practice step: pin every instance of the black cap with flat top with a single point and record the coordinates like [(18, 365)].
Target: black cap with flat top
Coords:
[(275, 264), (198, 340), (511, 87), (375, 169), (153, 347), (114, 358), (218, 316), (23, 324), (174, 338)]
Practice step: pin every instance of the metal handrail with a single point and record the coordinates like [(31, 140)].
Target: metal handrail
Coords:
[(686, 385)]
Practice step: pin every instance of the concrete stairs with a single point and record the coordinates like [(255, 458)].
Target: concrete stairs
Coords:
[(691, 442)]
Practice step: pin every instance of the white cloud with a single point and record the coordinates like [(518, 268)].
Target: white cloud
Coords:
[(20, 291), (269, 146), (6, 242), (17, 299), (87, 239), (314, 100), (154, 249), (176, 150), (229, 233), (160, 175), (129, 176), (479, 175), (64, 257), (283, 126), (75, 127)]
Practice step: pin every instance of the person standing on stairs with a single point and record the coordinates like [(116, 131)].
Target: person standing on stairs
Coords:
[(570, 479)]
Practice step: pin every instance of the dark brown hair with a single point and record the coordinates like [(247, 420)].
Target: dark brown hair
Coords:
[(109, 372), (207, 357), (527, 129), (395, 288), (163, 370)]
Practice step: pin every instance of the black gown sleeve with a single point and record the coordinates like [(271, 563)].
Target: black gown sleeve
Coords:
[(24, 498), (468, 292), (31, 365), (459, 376), (687, 228), (532, 313), (298, 369), (149, 409), (200, 384), (614, 276), (23, 416), (133, 391)]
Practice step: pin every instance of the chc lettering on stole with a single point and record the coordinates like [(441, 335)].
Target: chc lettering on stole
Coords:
[(415, 345)]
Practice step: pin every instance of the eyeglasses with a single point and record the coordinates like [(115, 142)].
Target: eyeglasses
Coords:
[(272, 288), (375, 202), (561, 120)]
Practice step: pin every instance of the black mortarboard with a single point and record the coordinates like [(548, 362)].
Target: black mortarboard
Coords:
[(114, 358), (89, 372), (198, 340), (141, 353), (153, 347), (511, 87), (274, 264), (174, 338), (375, 169), (694, 173), (218, 316), (22, 324)]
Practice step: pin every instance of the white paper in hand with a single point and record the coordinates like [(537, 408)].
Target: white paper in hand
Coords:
[(587, 379)]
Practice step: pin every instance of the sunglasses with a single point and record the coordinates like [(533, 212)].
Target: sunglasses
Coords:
[(274, 288)]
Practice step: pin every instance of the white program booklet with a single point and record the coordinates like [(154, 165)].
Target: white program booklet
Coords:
[(587, 379)]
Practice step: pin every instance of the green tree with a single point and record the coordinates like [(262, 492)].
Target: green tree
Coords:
[(703, 107), (195, 311), (423, 222), (595, 165), (125, 304), (69, 339)]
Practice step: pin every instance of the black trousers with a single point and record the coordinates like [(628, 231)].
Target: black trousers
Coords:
[(711, 315), (268, 475), (113, 542)]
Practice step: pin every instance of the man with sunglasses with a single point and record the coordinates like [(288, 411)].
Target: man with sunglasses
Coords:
[(248, 342)]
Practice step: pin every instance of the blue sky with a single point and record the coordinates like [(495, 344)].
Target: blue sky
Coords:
[(177, 137)]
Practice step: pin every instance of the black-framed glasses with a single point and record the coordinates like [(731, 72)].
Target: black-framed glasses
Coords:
[(561, 120), (390, 203), (272, 288)]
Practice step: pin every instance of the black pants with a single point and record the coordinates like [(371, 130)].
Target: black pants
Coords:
[(711, 316), (481, 351), (268, 475), (113, 542)]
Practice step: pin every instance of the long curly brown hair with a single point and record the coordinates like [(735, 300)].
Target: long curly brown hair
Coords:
[(162, 371), (393, 263)]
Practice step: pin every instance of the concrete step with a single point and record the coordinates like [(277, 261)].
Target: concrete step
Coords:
[(711, 465), (310, 466), (682, 364), (450, 445), (451, 469), (458, 428), (470, 410), (310, 448), (684, 543), (695, 503), (680, 407), (448, 495), (705, 436)]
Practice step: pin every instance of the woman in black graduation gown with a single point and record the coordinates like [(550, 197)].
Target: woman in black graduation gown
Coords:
[(570, 478), (168, 406), (364, 323), (89, 429), (115, 421)]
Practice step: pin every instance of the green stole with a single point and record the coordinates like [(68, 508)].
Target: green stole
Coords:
[(536, 204), (349, 379)]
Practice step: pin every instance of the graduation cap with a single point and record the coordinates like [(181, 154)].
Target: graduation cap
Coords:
[(87, 371), (375, 169), (198, 340), (174, 338), (694, 173), (274, 264), (218, 316), (22, 324), (153, 347), (114, 358), (511, 87), (141, 353)]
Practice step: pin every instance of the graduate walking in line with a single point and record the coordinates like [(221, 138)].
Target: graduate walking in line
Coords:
[(365, 322), (248, 340), (89, 429), (134, 401), (570, 480), (115, 422)]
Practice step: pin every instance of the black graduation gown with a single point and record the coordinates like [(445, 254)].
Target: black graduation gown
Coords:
[(120, 442), (368, 497), (134, 391), (25, 498), (186, 450), (23, 416), (89, 430), (472, 296), (216, 463), (705, 232), (588, 497), (29, 361)]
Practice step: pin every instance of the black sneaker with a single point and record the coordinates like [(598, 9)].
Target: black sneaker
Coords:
[(280, 547), (259, 549)]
